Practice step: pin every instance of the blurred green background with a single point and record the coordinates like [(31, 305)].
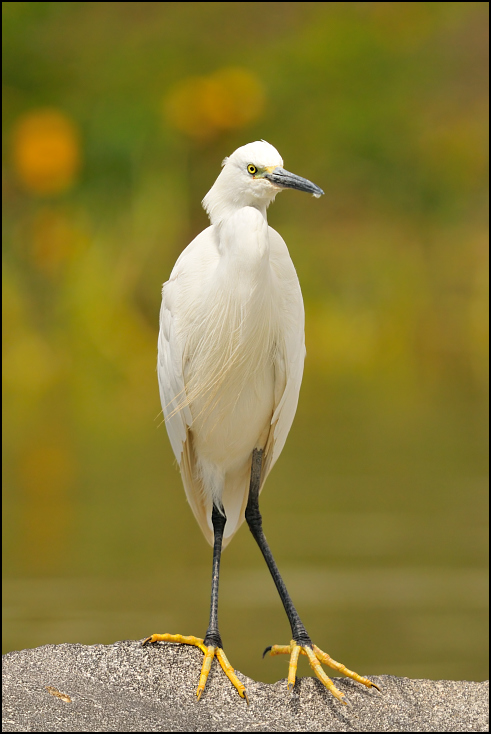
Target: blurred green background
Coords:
[(116, 119)]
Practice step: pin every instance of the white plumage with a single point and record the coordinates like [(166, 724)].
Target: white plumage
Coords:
[(230, 364), (231, 344)]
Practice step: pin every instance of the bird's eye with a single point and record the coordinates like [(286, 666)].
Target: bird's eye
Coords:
[(252, 169)]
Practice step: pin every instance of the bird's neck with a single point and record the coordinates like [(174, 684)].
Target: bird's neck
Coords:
[(221, 204), (243, 241)]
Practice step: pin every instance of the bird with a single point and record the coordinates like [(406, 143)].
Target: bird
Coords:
[(231, 352)]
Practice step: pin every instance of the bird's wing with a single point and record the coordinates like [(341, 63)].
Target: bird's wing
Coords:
[(290, 351), (177, 298), (170, 373)]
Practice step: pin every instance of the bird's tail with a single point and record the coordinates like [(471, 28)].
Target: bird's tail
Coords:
[(233, 496)]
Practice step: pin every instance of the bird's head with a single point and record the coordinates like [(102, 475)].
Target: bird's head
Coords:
[(252, 176)]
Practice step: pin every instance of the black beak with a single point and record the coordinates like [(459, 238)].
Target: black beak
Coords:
[(288, 180)]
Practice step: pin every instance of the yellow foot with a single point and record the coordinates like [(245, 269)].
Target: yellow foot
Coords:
[(316, 657), (209, 653)]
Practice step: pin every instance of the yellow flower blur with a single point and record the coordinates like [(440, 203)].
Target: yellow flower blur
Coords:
[(205, 106)]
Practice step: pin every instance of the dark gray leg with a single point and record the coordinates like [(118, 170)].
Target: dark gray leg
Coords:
[(212, 636), (254, 520)]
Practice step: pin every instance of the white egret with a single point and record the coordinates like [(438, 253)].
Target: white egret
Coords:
[(230, 362)]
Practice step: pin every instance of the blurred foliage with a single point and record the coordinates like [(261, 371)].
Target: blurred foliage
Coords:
[(116, 118)]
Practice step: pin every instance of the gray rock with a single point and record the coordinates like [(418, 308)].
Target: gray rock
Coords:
[(127, 687)]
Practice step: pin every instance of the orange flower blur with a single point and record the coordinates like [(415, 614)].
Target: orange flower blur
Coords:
[(46, 151)]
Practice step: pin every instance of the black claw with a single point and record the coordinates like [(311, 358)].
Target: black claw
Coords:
[(267, 650)]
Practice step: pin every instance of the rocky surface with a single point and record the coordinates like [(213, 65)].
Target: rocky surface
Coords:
[(127, 687)]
